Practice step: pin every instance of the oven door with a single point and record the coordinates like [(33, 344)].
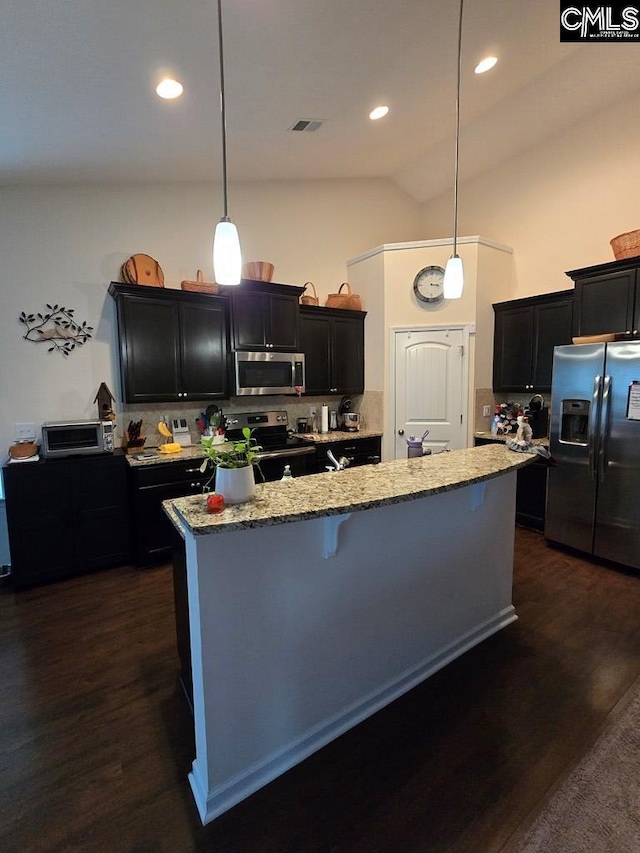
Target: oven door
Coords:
[(268, 373), (302, 461)]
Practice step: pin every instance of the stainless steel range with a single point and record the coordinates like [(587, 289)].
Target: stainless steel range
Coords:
[(280, 446)]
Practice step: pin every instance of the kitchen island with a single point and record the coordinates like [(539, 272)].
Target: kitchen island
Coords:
[(326, 598)]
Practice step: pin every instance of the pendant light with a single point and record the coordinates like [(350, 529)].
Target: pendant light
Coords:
[(227, 259), (453, 274)]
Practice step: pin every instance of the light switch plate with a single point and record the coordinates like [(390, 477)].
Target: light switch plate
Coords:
[(486, 411), (25, 432)]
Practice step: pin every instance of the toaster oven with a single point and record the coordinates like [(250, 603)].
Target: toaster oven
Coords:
[(70, 438)]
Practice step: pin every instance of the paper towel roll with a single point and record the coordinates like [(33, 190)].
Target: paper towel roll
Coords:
[(324, 419)]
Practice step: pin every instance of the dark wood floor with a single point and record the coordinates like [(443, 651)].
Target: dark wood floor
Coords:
[(95, 737)]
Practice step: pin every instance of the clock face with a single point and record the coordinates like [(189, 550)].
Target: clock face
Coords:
[(428, 285)]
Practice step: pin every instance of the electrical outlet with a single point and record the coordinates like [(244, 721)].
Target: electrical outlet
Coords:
[(486, 411), (312, 411), (24, 432)]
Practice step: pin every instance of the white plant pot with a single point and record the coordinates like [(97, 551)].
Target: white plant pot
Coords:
[(236, 485)]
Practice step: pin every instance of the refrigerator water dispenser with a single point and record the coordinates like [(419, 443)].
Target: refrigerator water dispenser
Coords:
[(575, 422)]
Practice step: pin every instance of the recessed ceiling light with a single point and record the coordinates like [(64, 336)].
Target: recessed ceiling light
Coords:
[(169, 89), (379, 112), (486, 64)]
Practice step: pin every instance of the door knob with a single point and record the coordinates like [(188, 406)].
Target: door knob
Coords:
[(400, 432)]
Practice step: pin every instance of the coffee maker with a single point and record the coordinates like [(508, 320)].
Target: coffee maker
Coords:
[(538, 416)]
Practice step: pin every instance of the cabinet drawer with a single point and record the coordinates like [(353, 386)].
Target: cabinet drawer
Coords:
[(362, 451), (182, 471)]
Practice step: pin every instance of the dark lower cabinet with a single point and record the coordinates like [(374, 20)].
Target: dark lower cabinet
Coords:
[(531, 495), (181, 610), (531, 491), (332, 340), (66, 517), (359, 451), (150, 485)]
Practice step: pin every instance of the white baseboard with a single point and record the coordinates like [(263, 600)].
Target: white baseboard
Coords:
[(224, 797)]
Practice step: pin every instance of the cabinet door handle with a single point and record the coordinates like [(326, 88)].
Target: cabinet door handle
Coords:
[(191, 470), (400, 432)]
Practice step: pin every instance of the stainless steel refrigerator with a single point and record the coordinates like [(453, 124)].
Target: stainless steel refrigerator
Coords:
[(593, 495)]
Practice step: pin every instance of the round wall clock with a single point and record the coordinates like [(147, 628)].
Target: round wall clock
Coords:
[(428, 285)]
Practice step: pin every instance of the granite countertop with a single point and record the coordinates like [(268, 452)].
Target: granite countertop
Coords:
[(352, 489), (339, 435), (542, 442), (194, 451)]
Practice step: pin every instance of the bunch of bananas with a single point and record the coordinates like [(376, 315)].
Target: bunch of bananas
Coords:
[(168, 446)]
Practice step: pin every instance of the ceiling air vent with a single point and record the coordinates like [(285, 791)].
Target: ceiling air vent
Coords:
[(308, 124)]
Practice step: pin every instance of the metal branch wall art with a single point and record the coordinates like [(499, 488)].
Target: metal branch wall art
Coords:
[(58, 327)]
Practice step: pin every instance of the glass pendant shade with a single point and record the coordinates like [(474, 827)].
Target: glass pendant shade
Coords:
[(453, 278), (227, 258)]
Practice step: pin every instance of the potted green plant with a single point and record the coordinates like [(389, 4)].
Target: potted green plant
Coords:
[(233, 463)]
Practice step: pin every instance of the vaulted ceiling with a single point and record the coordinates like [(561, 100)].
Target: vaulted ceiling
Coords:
[(77, 100)]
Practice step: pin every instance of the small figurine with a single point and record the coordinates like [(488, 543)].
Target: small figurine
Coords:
[(524, 434)]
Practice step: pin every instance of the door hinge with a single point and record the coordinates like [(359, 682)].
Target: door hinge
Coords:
[(462, 350), (461, 417)]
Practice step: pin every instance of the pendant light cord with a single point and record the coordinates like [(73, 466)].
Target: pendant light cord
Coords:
[(223, 115), (457, 142)]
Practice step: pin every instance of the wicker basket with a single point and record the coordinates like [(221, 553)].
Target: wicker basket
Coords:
[(200, 285), (344, 300), (309, 300), (258, 270), (626, 245), (23, 449)]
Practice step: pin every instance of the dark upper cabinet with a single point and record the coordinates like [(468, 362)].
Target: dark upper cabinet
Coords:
[(551, 328), (526, 331), (265, 316), (172, 344), (203, 350), (606, 298), (333, 343), (82, 519)]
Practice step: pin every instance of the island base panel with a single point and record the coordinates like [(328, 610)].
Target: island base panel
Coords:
[(290, 649)]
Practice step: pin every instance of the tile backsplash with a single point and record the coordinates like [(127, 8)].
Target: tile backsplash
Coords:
[(367, 404), (487, 397)]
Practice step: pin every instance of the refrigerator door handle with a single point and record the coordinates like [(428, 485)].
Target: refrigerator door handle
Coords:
[(593, 426), (604, 426)]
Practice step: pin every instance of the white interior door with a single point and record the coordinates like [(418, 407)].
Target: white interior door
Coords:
[(430, 388)]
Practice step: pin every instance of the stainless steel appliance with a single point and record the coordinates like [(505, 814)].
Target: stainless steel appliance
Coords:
[(593, 495), (258, 373), (351, 421), (69, 438), (280, 446)]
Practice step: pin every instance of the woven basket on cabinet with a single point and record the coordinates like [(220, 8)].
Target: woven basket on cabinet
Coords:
[(626, 245), (344, 300), (309, 300)]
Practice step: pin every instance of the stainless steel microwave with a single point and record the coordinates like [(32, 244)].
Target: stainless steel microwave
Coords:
[(268, 373), (68, 438)]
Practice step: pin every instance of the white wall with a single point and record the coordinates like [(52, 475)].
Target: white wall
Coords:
[(558, 204), (384, 278), (65, 244)]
